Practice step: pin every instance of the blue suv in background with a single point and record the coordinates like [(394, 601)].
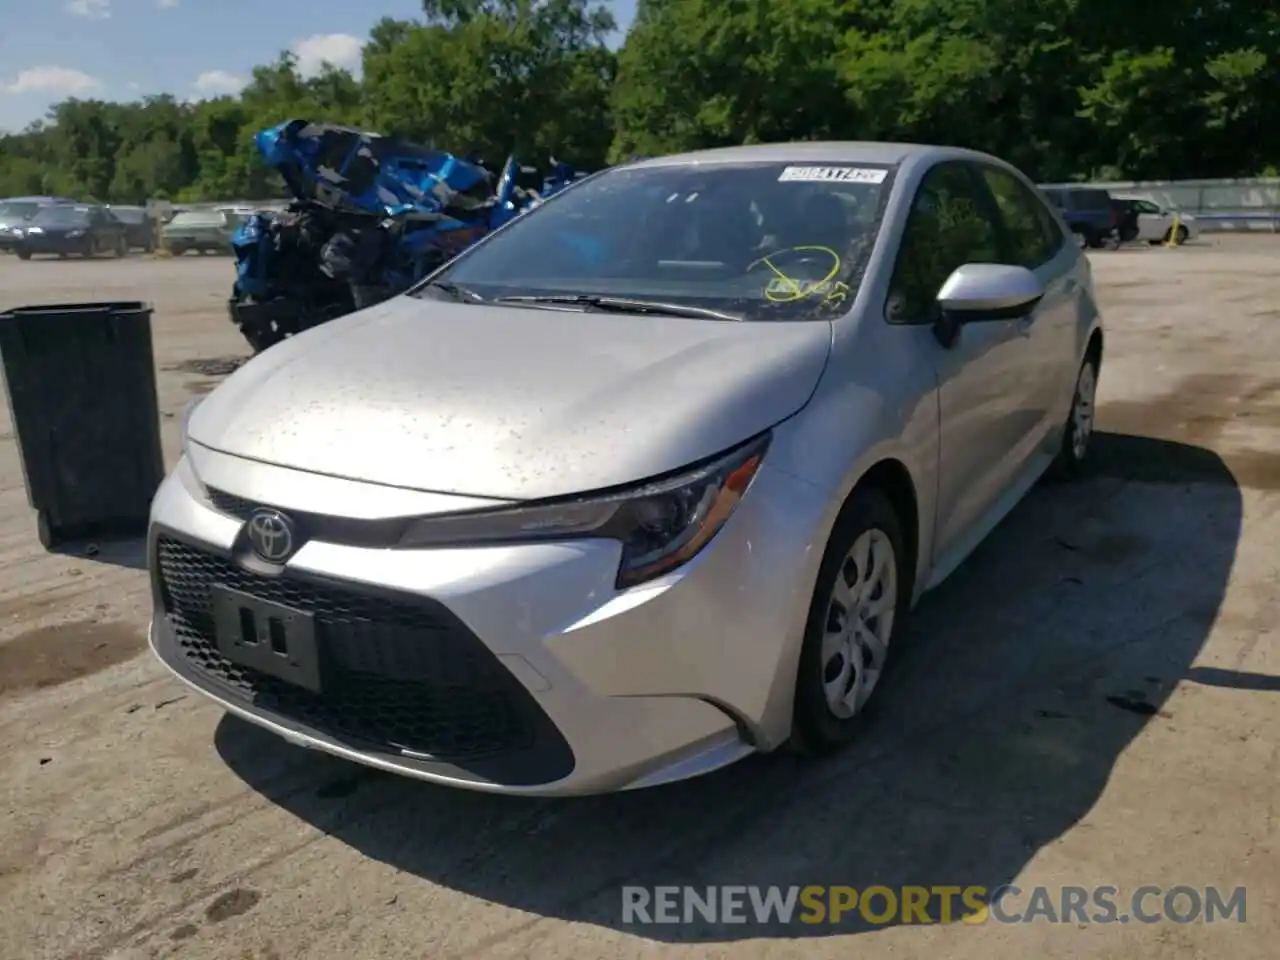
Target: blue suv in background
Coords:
[(1091, 216)]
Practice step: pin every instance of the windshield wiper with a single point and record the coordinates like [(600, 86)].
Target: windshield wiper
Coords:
[(626, 305), (456, 292)]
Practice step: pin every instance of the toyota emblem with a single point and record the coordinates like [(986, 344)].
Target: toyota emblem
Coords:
[(270, 535)]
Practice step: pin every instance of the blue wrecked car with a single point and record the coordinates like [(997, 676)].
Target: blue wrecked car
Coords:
[(372, 216)]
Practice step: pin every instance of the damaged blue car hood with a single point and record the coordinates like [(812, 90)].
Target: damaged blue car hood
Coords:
[(359, 171)]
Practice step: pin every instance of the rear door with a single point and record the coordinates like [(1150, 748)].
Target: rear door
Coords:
[(99, 227), (1031, 238)]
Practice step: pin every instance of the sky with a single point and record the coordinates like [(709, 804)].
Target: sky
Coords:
[(126, 49)]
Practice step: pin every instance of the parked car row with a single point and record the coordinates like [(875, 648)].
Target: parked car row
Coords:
[(64, 227), (1097, 218)]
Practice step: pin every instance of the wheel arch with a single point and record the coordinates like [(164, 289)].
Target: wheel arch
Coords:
[(891, 477), (1093, 349)]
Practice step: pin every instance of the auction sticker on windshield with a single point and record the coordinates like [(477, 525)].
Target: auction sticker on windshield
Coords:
[(834, 174)]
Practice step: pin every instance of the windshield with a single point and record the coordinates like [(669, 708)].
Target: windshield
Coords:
[(766, 241), (197, 218), (17, 210), (61, 216)]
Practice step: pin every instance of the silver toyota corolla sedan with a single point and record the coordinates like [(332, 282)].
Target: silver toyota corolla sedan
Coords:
[(645, 482)]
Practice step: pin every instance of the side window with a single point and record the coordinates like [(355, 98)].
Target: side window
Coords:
[(1146, 206), (1021, 212), (948, 226)]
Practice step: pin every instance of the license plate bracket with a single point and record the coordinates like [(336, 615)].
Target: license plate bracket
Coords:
[(269, 637)]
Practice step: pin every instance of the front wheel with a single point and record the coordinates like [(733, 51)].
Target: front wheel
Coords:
[(1178, 237), (858, 608), (24, 254)]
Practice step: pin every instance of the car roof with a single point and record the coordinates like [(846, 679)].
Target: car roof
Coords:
[(836, 151)]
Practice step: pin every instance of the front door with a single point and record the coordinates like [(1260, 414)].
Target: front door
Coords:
[(983, 387)]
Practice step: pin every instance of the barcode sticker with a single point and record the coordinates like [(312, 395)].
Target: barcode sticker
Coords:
[(834, 174)]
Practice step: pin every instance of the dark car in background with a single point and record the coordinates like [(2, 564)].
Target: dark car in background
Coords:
[(65, 229), (140, 227), (16, 211), (1089, 213)]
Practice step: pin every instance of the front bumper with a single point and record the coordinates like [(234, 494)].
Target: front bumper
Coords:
[(53, 244), (516, 669)]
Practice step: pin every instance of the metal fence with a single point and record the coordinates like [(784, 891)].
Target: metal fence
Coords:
[(1217, 205)]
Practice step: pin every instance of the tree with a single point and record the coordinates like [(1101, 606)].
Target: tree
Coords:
[(1063, 88)]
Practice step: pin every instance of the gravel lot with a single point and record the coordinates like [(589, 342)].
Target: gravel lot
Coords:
[(1093, 699)]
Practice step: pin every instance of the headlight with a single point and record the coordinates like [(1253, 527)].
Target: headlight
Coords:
[(661, 524), (184, 419)]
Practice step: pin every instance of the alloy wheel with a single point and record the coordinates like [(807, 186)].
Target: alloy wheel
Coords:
[(859, 624)]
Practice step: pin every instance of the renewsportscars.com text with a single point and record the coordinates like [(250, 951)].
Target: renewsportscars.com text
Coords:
[(880, 905)]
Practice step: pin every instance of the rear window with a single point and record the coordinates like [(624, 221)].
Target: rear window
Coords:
[(1091, 199)]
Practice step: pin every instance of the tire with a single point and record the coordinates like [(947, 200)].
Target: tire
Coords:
[(1073, 458), (24, 254), (122, 248), (1081, 238), (869, 518), (45, 530), (1178, 238)]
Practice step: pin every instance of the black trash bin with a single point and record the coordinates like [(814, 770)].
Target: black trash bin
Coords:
[(81, 384)]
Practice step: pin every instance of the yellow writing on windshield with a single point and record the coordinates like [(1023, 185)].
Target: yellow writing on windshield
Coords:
[(782, 287)]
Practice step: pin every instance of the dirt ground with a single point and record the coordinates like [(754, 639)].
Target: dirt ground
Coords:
[(1094, 698)]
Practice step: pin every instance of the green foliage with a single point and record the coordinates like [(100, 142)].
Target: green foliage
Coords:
[(1066, 89)]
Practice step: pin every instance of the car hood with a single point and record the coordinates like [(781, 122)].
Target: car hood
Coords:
[(508, 402)]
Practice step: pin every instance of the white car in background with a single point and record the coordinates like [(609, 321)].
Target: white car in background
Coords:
[(1156, 223)]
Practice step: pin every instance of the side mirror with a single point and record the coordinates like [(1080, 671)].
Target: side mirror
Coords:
[(978, 292)]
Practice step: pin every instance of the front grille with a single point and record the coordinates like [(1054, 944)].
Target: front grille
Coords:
[(399, 675), (230, 504)]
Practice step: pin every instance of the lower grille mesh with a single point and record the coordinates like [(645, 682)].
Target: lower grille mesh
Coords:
[(399, 675)]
